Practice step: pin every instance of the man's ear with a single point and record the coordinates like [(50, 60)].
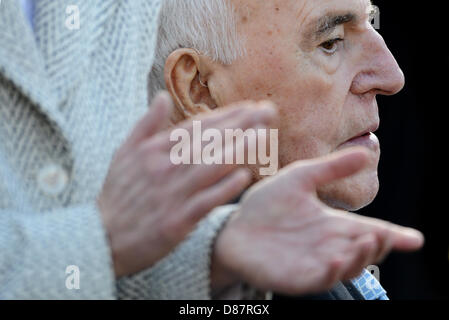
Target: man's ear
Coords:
[(186, 74)]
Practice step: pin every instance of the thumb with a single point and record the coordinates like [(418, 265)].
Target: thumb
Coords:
[(154, 120), (329, 168)]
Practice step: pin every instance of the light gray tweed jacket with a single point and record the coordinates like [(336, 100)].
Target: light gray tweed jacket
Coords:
[(68, 98)]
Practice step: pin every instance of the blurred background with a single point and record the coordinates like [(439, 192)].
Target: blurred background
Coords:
[(412, 170)]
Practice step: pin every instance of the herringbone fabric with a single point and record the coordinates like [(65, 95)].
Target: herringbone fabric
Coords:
[(69, 98)]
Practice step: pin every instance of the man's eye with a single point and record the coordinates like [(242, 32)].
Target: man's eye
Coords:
[(331, 46)]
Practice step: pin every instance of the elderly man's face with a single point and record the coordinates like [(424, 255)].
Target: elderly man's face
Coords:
[(323, 64)]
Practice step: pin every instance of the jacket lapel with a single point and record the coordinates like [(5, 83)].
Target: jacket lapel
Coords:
[(49, 64), (21, 61), (65, 47)]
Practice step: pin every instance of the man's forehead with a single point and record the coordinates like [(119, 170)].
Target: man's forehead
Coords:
[(313, 20), (304, 9), (321, 20), (314, 10)]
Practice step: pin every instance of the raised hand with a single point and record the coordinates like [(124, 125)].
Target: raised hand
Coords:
[(284, 239), (148, 204)]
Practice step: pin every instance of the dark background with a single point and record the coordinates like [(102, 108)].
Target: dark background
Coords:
[(414, 148)]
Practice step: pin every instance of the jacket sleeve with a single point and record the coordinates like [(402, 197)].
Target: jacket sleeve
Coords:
[(185, 273), (37, 248)]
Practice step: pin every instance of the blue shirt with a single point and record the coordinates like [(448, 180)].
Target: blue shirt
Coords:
[(369, 287), (28, 10)]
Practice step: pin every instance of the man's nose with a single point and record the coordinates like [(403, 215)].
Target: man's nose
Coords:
[(380, 73)]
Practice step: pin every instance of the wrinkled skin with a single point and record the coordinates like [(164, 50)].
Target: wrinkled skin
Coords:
[(325, 88), (287, 235)]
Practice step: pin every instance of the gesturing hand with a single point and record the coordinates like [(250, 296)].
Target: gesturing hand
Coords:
[(148, 204), (283, 238)]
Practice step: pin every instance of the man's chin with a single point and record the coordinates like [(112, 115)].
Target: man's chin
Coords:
[(348, 205), (350, 195)]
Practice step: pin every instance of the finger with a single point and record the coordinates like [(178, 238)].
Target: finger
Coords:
[(319, 279), (336, 166), (217, 115), (385, 248), (221, 193), (261, 114), (205, 175), (154, 120), (230, 117), (402, 238), (363, 253), (384, 245), (249, 115), (406, 239), (334, 273)]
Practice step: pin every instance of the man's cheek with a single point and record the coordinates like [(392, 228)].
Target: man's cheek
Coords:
[(295, 145)]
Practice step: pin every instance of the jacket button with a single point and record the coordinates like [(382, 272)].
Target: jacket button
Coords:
[(52, 179)]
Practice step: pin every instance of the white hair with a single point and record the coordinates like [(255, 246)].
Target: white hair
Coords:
[(207, 26)]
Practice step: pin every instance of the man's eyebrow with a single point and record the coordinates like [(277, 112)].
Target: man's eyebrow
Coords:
[(327, 23)]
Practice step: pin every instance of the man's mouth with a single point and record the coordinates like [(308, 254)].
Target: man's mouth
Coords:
[(365, 138)]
